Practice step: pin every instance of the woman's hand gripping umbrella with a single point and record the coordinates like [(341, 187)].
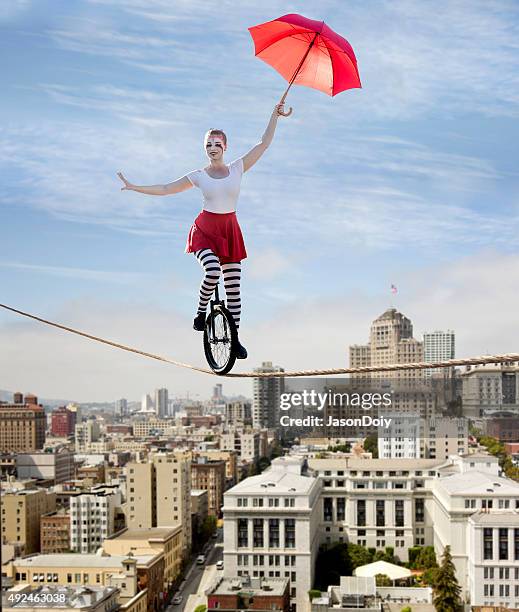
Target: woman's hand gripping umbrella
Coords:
[(306, 52)]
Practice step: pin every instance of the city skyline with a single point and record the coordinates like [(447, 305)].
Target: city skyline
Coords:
[(409, 181)]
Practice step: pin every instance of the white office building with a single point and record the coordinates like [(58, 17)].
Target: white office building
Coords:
[(271, 527)]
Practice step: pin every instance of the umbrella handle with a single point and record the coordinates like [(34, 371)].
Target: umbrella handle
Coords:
[(282, 101)]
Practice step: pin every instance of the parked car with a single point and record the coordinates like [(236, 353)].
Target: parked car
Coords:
[(177, 600), (219, 565), (200, 560)]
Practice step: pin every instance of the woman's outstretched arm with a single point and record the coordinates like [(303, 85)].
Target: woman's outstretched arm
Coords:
[(177, 186), (250, 158)]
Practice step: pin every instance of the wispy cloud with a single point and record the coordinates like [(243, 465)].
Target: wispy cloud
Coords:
[(77, 273)]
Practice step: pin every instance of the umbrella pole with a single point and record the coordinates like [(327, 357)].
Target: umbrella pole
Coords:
[(296, 72)]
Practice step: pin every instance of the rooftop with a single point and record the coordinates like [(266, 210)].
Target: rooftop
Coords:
[(153, 533), (80, 560), (505, 519), (73, 597), (478, 483), (252, 586), (276, 479)]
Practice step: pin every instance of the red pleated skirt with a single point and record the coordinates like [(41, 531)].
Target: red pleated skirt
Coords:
[(219, 232)]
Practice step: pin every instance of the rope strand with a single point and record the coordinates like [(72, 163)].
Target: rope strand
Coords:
[(508, 358)]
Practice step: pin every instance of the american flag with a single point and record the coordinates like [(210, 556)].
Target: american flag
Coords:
[(394, 289)]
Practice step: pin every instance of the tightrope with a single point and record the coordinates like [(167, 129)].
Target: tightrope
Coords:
[(508, 358)]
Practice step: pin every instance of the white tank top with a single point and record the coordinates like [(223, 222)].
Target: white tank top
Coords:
[(220, 195)]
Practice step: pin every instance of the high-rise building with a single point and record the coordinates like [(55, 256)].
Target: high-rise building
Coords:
[(266, 396), (161, 403), (158, 493), (92, 517), (63, 422), (22, 510), (391, 342), (121, 407), (22, 425), (439, 346), (146, 403), (57, 466)]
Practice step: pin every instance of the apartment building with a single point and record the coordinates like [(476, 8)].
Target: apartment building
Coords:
[(231, 462), (63, 422), (428, 438), (21, 512), (86, 434), (142, 542), (271, 527), (245, 443), (92, 517), (238, 413), (158, 493), (55, 533), (210, 476), (439, 346)]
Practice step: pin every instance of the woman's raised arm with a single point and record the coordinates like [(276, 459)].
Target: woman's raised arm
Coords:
[(250, 158), (177, 186)]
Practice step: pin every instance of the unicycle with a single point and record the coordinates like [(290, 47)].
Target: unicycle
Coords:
[(220, 336)]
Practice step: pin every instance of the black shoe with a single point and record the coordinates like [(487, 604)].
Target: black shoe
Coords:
[(199, 321), (240, 350)]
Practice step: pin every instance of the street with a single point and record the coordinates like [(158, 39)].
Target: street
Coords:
[(200, 577)]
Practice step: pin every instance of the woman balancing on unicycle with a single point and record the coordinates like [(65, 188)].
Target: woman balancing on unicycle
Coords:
[(215, 237)]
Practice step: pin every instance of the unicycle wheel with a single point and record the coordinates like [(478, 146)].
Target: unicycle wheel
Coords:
[(220, 336)]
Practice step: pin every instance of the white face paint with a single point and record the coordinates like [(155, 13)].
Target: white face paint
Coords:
[(215, 147)]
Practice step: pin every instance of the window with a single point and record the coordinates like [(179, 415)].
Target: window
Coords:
[(419, 510), (274, 533), (516, 545), (341, 509), (243, 533), (327, 509), (503, 543), (380, 513), (399, 512), (361, 512), (487, 543), (290, 533), (257, 533)]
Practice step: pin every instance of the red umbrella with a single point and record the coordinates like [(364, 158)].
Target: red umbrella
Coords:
[(306, 52)]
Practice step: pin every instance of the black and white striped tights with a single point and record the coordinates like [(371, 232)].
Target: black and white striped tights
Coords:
[(231, 280)]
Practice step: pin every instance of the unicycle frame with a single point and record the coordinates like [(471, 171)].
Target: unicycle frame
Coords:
[(217, 308)]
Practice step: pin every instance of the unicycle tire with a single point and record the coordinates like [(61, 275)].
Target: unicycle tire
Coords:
[(219, 350)]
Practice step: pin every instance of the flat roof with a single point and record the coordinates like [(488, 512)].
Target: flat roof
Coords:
[(73, 560), (274, 481), (144, 534), (254, 586)]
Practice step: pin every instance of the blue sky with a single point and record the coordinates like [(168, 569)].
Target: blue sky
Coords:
[(411, 180)]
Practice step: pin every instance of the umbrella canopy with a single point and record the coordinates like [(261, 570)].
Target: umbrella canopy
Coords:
[(395, 572), (307, 52)]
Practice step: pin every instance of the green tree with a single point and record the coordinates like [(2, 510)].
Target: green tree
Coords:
[(407, 609), (201, 608), (426, 559), (313, 593), (358, 555), (371, 445), (446, 589), (383, 580), (331, 565)]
